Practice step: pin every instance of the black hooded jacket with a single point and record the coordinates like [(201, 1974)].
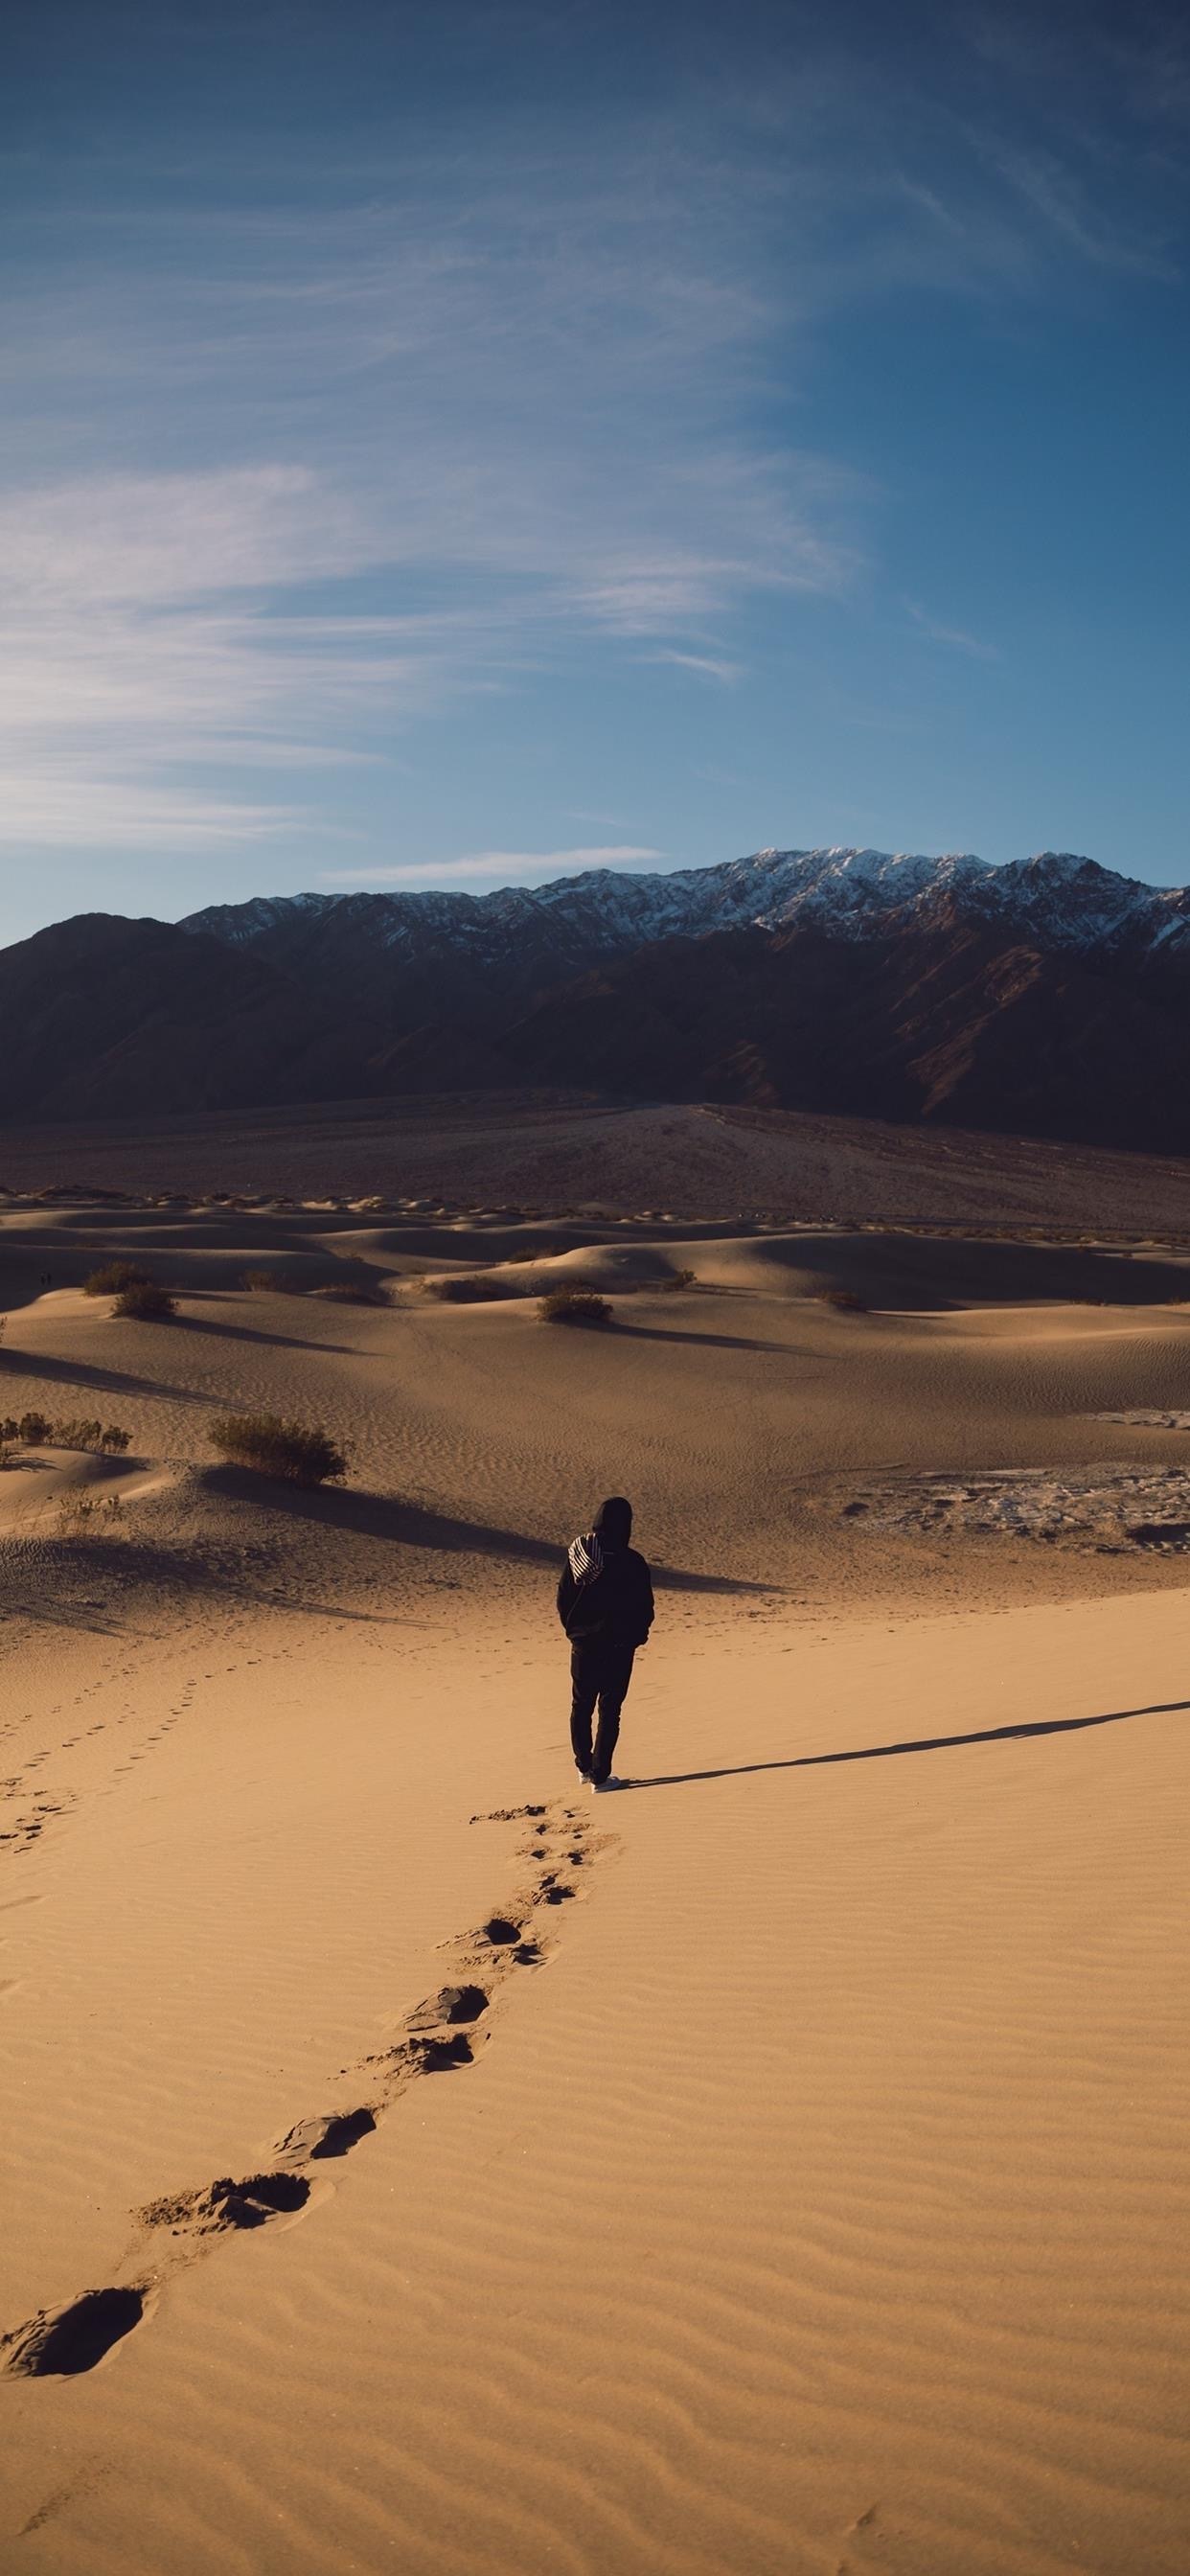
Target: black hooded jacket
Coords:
[(615, 1607)]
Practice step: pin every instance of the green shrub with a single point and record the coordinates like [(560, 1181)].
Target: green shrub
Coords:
[(573, 1306), (114, 1279), (302, 1452), (145, 1303)]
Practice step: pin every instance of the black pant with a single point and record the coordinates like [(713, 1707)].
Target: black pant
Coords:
[(599, 1670)]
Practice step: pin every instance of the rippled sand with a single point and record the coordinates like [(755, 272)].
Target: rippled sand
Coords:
[(413, 2163)]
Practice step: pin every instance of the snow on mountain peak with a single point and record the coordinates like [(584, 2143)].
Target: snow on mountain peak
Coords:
[(851, 893)]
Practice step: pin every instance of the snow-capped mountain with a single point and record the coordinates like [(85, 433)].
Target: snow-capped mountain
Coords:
[(1048, 997), (1064, 901)]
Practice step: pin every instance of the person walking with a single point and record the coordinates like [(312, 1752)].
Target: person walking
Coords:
[(605, 1604)]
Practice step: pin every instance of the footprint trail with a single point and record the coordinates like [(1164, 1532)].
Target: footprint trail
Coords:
[(442, 2034)]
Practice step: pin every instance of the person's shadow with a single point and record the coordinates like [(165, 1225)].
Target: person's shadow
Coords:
[(922, 1744)]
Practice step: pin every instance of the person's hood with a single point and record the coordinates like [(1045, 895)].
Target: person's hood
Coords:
[(613, 1522)]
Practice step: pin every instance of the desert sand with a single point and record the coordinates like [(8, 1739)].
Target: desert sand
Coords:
[(779, 2166), (549, 1152)]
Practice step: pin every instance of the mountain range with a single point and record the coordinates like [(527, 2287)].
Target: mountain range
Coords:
[(1049, 997)]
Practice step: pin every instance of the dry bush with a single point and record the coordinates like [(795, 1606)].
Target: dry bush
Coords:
[(301, 1452), (77, 1511), (76, 1432), (543, 1252), (573, 1306), (476, 1290), (270, 1282), (844, 1300), (114, 1279), (145, 1303), (38, 1431), (34, 1429), (679, 1279), (354, 1292)]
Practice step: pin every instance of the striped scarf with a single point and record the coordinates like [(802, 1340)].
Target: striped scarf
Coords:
[(586, 1559)]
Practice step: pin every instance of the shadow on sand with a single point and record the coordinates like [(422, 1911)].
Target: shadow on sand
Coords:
[(252, 1333), (136, 1581), (924, 1744), (707, 1341), (104, 1381), (410, 1525)]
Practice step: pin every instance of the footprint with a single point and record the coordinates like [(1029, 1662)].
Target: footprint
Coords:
[(500, 1932), (61, 2342), (229, 2204), (334, 2133), (432, 2054), (507, 1815), (450, 2004)]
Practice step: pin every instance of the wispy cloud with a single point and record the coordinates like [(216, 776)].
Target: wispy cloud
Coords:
[(492, 863), (704, 665), (142, 660), (159, 622), (296, 468), (955, 637)]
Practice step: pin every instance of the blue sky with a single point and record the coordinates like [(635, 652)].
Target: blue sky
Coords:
[(455, 445)]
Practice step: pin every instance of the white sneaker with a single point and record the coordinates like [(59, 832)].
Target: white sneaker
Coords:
[(611, 1782)]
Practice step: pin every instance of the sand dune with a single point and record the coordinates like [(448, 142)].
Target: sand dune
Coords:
[(412, 2165)]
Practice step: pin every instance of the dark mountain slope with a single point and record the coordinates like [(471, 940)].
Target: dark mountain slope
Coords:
[(103, 1017), (1053, 1000), (956, 1026)]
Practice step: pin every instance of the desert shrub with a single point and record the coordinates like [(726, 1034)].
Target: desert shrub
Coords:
[(573, 1306), (679, 1279), (270, 1282), (354, 1292), (302, 1452), (479, 1290), (79, 1513), (76, 1433), (39, 1431), (146, 1303), (114, 1279), (843, 1299), (542, 1252)]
